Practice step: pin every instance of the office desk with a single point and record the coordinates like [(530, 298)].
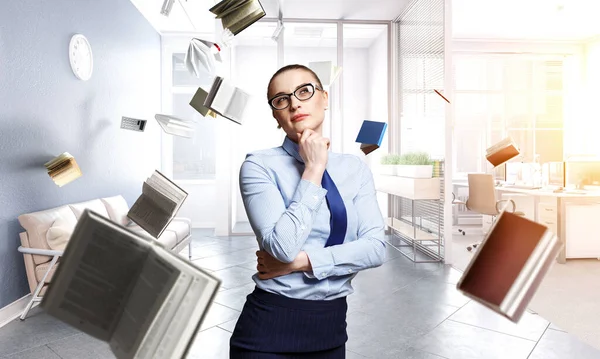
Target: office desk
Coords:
[(574, 217)]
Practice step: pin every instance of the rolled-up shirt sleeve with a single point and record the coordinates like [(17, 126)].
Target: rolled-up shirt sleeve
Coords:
[(281, 231), (367, 251)]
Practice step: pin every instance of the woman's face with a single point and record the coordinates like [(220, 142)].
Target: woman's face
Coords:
[(299, 115)]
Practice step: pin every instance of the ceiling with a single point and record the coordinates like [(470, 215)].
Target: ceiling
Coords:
[(337, 9), (526, 19), (297, 34), (471, 19)]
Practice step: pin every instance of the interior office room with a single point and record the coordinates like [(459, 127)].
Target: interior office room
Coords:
[(450, 78)]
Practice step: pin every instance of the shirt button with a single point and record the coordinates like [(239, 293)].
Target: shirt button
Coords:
[(316, 197), (323, 274), (303, 227), (349, 270)]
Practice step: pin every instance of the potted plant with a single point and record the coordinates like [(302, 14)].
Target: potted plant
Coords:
[(415, 165), (388, 164)]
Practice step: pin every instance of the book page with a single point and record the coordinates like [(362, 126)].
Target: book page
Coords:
[(162, 188), (56, 160), (161, 201), (224, 5), (149, 216), (150, 347), (168, 188), (237, 106), (245, 16), (223, 97), (96, 274), (230, 6), (155, 282), (61, 167), (191, 311)]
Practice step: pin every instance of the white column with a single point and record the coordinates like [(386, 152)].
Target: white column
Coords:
[(449, 94)]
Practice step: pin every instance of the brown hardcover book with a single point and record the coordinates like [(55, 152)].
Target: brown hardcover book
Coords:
[(510, 264), (368, 148), (502, 152)]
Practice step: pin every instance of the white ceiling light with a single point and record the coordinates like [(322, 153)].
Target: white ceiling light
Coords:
[(166, 7), (308, 31)]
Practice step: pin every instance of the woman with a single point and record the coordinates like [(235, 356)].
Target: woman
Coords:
[(317, 222)]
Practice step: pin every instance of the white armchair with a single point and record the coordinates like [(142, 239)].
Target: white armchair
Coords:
[(36, 286)]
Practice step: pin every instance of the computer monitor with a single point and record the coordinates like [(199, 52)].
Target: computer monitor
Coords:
[(582, 174), (556, 174), (513, 172)]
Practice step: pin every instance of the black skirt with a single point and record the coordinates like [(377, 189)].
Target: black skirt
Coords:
[(275, 326)]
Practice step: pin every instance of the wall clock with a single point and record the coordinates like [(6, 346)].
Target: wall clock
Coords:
[(80, 57)]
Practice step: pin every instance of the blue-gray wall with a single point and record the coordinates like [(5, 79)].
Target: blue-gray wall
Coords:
[(45, 110)]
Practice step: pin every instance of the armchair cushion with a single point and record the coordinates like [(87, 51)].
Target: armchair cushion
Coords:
[(168, 238), (36, 225), (117, 209), (58, 235), (95, 205)]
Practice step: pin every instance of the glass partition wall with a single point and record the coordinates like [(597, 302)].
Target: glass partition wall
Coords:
[(359, 93)]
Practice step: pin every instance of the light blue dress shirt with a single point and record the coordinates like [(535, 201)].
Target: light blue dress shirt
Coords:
[(289, 215)]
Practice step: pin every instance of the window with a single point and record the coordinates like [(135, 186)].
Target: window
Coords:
[(192, 158), (364, 84), (311, 42), (512, 95)]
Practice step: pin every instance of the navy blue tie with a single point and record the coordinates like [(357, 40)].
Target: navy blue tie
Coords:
[(338, 220)]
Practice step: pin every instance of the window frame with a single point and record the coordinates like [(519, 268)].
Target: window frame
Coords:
[(171, 45), (533, 93)]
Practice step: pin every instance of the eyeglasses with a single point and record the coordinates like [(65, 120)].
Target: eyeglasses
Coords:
[(302, 93)]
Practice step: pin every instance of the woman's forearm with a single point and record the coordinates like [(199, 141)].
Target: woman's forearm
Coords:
[(313, 174), (302, 263)]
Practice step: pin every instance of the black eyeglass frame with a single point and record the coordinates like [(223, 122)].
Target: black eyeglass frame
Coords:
[(289, 95)]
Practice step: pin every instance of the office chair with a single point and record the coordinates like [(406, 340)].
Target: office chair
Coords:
[(482, 199), (458, 202)]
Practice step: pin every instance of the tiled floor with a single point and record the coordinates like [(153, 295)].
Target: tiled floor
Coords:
[(573, 287), (399, 310)]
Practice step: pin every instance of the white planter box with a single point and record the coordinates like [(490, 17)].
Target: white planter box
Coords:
[(414, 171), (413, 188), (388, 170)]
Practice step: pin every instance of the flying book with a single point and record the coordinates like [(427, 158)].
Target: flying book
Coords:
[(227, 100), (326, 71), (370, 135), (510, 264), (175, 126), (502, 152), (202, 57), (129, 291), (237, 15), (158, 204), (197, 103), (63, 169)]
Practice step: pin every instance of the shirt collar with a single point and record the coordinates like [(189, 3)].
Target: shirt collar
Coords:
[(292, 148)]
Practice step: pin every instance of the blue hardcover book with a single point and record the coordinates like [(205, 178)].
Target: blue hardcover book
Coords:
[(370, 135)]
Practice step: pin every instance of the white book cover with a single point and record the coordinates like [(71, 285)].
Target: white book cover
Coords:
[(175, 126)]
